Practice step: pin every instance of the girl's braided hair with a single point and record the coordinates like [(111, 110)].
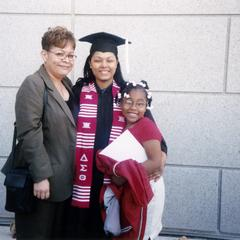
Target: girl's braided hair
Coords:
[(132, 85)]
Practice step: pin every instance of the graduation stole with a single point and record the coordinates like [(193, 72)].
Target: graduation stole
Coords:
[(86, 131)]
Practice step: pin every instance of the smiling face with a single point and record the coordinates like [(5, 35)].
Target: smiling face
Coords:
[(103, 65), (134, 106), (59, 61)]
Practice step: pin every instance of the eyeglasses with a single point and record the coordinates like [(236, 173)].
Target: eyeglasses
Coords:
[(62, 55), (130, 103)]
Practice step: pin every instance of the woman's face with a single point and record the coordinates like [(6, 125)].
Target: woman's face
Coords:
[(134, 106), (59, 61), (103, 65)]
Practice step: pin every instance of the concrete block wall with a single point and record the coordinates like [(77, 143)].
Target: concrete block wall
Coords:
[(189, 53)]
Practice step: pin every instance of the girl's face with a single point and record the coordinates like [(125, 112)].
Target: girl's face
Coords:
[(134, 107), (103, 65)]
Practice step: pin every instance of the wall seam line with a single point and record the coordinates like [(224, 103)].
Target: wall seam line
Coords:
[(227, 47)]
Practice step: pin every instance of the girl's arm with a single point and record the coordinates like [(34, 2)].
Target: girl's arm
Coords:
[(154, 165)]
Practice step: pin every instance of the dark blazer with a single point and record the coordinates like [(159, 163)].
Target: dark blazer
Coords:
[(48, 148)]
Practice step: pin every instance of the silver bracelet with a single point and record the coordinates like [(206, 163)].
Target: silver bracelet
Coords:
[(114, 169)]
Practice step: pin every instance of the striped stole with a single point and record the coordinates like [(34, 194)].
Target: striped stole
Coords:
[(86, 130)]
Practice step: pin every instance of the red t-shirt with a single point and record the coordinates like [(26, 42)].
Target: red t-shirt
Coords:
[(145, 129)]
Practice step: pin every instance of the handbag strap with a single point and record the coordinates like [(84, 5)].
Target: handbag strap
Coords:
[(14, 141), (45, 101)]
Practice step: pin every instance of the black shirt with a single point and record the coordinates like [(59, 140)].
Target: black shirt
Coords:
[(104, 117)]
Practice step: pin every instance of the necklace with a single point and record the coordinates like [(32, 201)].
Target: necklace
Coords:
[(63, 91)]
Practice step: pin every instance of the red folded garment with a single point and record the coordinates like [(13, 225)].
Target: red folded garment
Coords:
[(133, 196)]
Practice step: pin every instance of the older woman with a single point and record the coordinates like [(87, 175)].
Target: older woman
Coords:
[(48, 136)]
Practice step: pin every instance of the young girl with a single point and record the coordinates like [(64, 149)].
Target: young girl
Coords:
[(141, 201)]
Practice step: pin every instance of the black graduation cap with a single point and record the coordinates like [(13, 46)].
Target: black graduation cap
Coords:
[(104, 42)]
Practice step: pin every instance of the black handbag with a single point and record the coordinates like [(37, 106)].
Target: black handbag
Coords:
[(18, 181), (19, 191), (19, 184)]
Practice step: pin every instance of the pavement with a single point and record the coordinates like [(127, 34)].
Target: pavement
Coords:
[(6, 235)]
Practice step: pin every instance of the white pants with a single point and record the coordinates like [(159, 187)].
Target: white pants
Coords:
[(155, 210)]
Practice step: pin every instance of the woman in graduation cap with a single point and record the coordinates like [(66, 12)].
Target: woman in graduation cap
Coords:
[(99, 121)]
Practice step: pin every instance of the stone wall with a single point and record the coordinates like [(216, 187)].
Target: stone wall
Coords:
[(189, 52)]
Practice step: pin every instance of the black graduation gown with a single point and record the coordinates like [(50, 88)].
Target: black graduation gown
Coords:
[(87, 223)]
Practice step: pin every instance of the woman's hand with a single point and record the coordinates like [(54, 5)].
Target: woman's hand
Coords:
[(155, 176), (41, 189)]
